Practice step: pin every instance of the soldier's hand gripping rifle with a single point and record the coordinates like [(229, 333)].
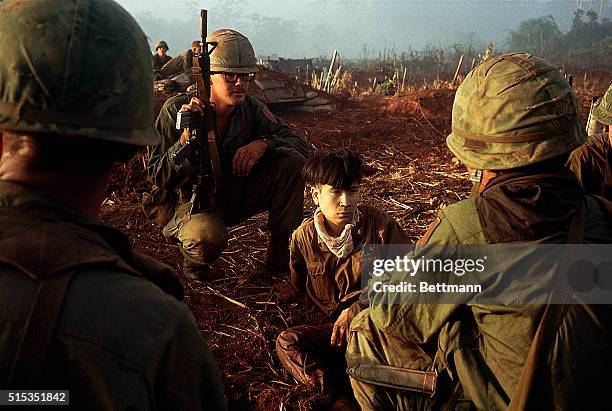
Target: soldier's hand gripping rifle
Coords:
[(201, 144)]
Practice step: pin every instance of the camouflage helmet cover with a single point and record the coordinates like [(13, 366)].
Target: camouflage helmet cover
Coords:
[(65, 71), (603, 109), (161, 43), (234, 52), (511, 111)]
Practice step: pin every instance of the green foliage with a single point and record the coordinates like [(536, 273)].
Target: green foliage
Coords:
[(588, 40), (536, 36)]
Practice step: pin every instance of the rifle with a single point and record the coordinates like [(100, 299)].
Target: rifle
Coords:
[(200, 149)]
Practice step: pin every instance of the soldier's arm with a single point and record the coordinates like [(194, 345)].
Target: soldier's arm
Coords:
[(161, 168), (276, 132), (416, 322)]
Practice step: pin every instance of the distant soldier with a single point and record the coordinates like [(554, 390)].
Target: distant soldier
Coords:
[(160, 57), (260, 158), (79, 310), (591, 161), (179, 65), (326, 253), (515, 121)]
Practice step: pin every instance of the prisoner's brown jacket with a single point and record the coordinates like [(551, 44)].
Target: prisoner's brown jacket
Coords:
[(335, 283)]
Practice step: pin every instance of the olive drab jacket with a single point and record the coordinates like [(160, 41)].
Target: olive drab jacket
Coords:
[(122, 338), (248, 122), (591, 162), (334, 283), (485, 346)]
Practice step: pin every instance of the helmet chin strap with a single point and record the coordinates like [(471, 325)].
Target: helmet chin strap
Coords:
[(481, 179)]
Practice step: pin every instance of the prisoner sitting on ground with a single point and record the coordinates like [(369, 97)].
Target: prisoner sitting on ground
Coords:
[(260, 161), (325, 265), (79, 310), (515, 121), (591, 162)]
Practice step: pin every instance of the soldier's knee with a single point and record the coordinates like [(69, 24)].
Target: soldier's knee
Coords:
[(204, 236)]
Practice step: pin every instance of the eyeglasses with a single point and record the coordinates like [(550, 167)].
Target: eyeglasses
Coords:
[(233, 77)]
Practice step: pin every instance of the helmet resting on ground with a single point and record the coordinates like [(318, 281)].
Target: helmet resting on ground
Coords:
[(511, 111), (234, 52), (65, 71)]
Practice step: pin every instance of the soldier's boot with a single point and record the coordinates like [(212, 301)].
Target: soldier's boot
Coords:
[(198, 271), (277, 255)]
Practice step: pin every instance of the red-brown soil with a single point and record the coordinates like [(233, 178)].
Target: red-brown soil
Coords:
[(411, 175)]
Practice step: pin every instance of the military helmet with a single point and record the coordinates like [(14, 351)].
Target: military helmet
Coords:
[(65, 71), (234, 52), (511, 111), (603, 108), (161, 43)]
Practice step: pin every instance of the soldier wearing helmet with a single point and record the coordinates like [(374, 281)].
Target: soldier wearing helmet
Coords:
[(591, 161), (79, 310), (160, 57), (514, 123), (178, 68), (260, 157)]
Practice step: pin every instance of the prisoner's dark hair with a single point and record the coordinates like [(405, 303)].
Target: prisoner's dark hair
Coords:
[(339, 169)]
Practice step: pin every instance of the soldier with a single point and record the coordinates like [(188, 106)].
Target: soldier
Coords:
[(515, 120), (160, 57), (325, 257), (591, 161), (179, 66), (79, 310), (260, 159)]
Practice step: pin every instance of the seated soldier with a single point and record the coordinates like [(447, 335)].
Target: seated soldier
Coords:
[(325, 262), (591, 161), (515, 121)]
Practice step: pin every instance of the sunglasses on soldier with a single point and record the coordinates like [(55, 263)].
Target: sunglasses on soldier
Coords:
[(233, 77)]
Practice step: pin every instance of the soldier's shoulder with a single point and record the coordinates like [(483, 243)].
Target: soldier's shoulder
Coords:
[(175, 102), (457, 223), (123, 314)]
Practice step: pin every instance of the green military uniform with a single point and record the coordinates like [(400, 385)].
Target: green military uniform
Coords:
[(102, 349), (176, 65), (591, 164), (159, 61), (591, 161), (334, 284), (488, 361), (518, 127), (275, 182), (78, 309)]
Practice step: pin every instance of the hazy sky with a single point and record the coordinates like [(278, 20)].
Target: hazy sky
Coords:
[(309, 28)]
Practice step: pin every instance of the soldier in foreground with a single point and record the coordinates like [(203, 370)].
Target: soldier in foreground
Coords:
[(591, 161), (79, 310), (160, 57), (326, 253), (260, 163), (515, 121)]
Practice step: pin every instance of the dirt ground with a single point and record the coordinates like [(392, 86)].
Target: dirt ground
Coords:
[(411, 175)]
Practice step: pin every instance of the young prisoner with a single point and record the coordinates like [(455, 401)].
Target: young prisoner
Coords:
[(325, 264)]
